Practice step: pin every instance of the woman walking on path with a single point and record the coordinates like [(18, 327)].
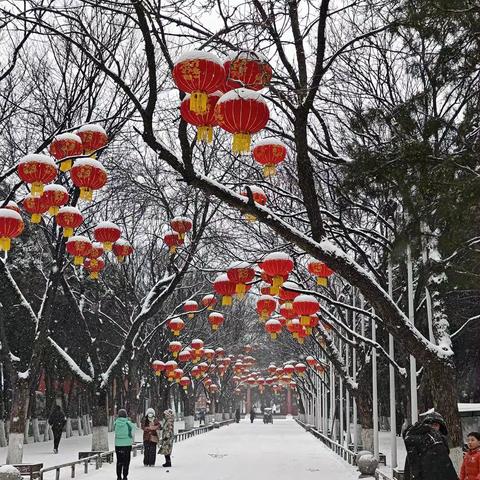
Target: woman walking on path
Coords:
[(167, 437), (57, 421), (150, 427), (124, 429), (471, 462)]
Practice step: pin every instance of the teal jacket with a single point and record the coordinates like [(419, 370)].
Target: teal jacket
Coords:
[(124, 432)]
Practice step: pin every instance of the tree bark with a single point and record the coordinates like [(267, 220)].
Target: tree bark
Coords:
[(100, 421), (18, 418)]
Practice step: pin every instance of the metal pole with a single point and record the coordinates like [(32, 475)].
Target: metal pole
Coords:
[(354, 375), (340, 397), (347, 395), (332, 401), (376, 450), (391, 352), (413, 361)]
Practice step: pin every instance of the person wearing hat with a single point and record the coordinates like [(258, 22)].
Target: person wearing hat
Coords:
[(150, 427), (427, 450), (124, 429), (168, 436)]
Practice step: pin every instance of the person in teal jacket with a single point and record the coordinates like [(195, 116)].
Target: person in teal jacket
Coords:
[(124, 433)]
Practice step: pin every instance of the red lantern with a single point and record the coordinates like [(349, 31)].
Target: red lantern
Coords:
[(96, 251), (209, 354), (184, 356), (190, 306), (93, 138), (203, 367), (94, 266), (321, 271), (88, 175), (320, 368), (288, 293), (65, 147), (293, 385), (172, 240), (300, 369), (269, 152), (158, 367), (196, 372), (203, 121), (220, 352), (271, 369), (122, 248), (273, 327), (247, 69), (288, 369), (221, 370), (181, 225), (185, 382), (11, 226), (69, 218), (11, 205), (242, 112), (174, 348), (177, 374), (197, 344), (287, 312), (35, 206), (56, 196), (224, 287), (78, 246), (312, 362), (215, 319), (277, 265), (170, 368), (305, 306), (294, 327), (266, 305), (176, 325), (209, 301), (107, 233), (200, 74), (37, 170), (240, 273)]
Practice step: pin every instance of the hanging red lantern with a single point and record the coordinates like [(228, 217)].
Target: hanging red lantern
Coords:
[(266, 305), (190, 306), (11, 205), (177, 374), (181, 225), (215, 320), (277, 265), (320, 271), (203, 367), (294, 327), (247, 69), (94, 266), (300, 369), (78, 246), (288, 369), (172, 240), (320, 368), (170, 368), (88, 175), (220, 352), (200, 74), (258, 196), (279, 371), (311, 361), (96, 251), (185, 382), (35, 206), (224, 287), (174, 348), (240, 273), (107, 233), (269, 153), (243, 113), (288, 293), (203, 121), (287, 312), (158, 367), (197, 344), (292, 385), (273, 327), (305, 306), (184, 356), (69, 218), (271, 369), (209, 354), (176, 325), (11, 226), (93, 138), (65, 147), (221, 370), (37, 170), (122, 248), (196, 373), (56, 196), (209, 301)]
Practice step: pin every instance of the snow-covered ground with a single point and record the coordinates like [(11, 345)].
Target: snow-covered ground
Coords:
[(281, 451)]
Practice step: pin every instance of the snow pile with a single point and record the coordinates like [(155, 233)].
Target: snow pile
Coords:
[(37, 158), (242, 94), (92, 128), (198, 55)]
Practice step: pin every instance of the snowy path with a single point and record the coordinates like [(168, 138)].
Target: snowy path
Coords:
[(282, 451)]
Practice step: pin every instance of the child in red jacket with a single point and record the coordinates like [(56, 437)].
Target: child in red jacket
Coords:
[(471, 462)]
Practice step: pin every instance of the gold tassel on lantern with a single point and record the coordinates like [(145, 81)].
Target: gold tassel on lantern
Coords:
[(37, 189), (86, 194), (205, 134), (322, 281), (66, 165), (241, 143), (226, 300), (67, 232), (269, 170), (273, 336), (36, 218), (5, 244), (198, 102), (78, 261), (305, 320)]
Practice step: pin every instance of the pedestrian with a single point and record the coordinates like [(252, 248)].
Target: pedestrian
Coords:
[(427, 450), (471, 461), (150, 427), (237, 415), (124, 429), (57, 421), (201, 417), (168, 435), (252, 414)]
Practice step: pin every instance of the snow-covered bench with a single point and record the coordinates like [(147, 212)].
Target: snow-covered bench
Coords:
[(31, 470)]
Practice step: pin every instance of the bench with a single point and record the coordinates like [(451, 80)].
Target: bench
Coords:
[(82, 455), (31, 470), (398, 474)]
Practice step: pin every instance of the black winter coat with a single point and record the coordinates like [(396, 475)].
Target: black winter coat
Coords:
[(427, 455), (57, 420)]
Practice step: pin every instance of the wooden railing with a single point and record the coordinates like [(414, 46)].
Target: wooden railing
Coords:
[(106, 457), (345, 453)]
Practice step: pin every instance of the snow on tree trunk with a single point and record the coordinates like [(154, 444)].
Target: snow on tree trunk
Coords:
[(79, 427), (367, 439), (189, 422), (18, 418), (36, 430), (100, 422), (3, 437), (68, 428)]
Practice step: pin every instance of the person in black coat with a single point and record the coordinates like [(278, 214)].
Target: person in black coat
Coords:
[(57, 421), (427, 450)]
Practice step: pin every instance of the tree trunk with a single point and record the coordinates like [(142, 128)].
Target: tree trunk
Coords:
[(100, 422), (18, 418)]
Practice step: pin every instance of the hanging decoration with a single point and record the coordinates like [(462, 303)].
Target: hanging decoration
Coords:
[(269, 153), (88, 175), (225, 288), (79, 247), (174, 348), (190, 307), (11, 226), (176, 325), (273, 327), (36, 207), (209, 301), (258, 196), (215, 319), (56, 197), (240, 273), (65, 147), (107, 233), (94, 266), (37, 170), (122, 249), (69, 218), (158, 367), (321, 271), (278, 265), (93, 138), (247, 69), (172, 240), (266, 305)]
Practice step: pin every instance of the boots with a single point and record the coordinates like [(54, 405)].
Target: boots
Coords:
[(168, 462)]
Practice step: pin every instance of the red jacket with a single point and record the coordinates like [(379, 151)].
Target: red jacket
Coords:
[(471, 465)]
